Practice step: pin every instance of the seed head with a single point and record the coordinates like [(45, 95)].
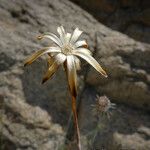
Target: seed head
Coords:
[(103, 105)]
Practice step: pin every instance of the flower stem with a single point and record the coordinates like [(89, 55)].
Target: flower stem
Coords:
[(74, 110)]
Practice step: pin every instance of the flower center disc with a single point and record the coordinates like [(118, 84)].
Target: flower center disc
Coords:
[(67, 49)]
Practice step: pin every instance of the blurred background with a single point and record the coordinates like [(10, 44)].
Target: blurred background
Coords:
[(38, 117)]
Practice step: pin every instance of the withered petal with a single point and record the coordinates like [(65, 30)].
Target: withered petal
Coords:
[(39, 53), (61, 32), (51, 70), (51, 36), (72, 75), (83, 50), (91, 61), (76, 34), (50, 61), (81, 44)]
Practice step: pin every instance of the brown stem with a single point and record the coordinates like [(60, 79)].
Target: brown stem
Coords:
[(74, 110)]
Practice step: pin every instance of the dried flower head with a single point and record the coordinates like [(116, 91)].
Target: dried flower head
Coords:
[(103, 105), (67, 50)]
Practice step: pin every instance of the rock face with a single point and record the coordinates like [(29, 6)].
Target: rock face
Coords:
[(32, 115), (127, 63), (27, 127), (128, 16)]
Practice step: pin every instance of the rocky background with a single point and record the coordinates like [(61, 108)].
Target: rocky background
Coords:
[(35, 116), (128, 16)]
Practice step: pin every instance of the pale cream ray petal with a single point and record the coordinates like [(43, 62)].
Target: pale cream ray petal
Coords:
[(60, 58), (72, 75), (68, 36), (62, 34), (77, 63), (92, 62), (76, 34), (51, 70), (51, 36), (80, 43), (83, 50), (62, 29), (39, 53)]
